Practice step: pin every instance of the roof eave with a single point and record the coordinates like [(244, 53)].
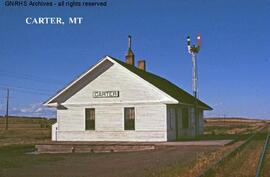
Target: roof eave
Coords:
[(54, 105), (50, 100)]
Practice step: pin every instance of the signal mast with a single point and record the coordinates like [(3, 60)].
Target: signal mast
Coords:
[(194, 50)]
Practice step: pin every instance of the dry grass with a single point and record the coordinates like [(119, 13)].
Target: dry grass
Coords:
[(266, 163), (241, 130), (25, 131), (24, 136), (244, 163), (234, 120), (231, 126), (205, 160)]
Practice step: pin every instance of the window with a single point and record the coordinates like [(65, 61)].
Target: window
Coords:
[(89, 119), (172, 118), (129, 118), (185, 118)]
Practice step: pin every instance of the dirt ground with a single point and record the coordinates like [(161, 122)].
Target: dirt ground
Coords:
[(133, 164), (167, 162)]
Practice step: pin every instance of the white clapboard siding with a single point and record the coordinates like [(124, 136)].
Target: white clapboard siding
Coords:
[(54, 131), (117, 78), (152, 115), (201, 120), (71, 119), (150, 123), (187, 132)]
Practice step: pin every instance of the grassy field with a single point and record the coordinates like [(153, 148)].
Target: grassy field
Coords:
[(25, 131), (266, 163), (227, 129), (202, 161), (243, 163), (186, 161), (234, 129)]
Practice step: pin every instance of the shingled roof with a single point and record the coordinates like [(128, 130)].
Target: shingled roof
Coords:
[(164, 85)]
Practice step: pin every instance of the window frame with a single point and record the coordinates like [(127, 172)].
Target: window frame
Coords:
[(90, 127), (134, 122)]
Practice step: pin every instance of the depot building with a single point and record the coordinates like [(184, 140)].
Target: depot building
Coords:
[(118, 101)]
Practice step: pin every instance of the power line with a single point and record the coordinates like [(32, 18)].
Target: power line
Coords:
[(7, 109), (27, 90), (28, 77), (31, 78), (32, 92)]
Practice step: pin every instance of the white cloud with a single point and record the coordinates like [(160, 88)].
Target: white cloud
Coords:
[(34, 110), (39, 110)]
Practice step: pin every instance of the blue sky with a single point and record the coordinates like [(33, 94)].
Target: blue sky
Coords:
[(234, 63)]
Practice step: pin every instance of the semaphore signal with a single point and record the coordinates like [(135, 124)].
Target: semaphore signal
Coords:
[(194, 50)]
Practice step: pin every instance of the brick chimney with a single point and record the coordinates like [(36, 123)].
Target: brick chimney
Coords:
[(130, 55), (141, 64)]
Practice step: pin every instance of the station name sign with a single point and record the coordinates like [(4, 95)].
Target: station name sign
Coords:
[(105, 94)]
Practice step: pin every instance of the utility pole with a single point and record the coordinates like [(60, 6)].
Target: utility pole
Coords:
[(7, 109), (194, 50)]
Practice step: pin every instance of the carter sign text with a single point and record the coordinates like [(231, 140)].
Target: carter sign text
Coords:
[(105, 94)]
